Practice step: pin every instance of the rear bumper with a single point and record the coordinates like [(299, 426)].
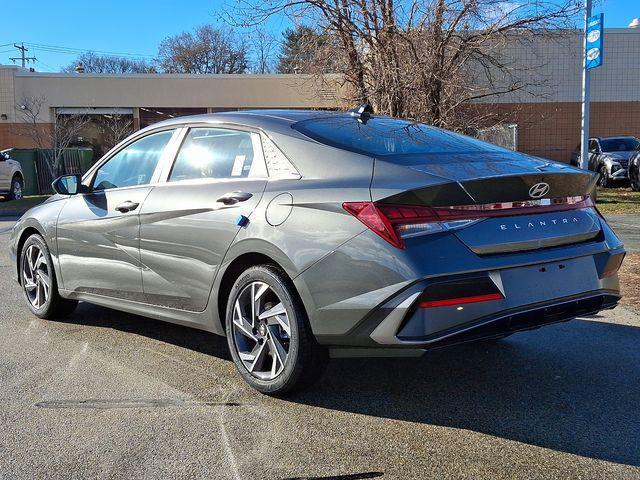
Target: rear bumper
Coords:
[(532, 296), (494, 326), (506, 322)]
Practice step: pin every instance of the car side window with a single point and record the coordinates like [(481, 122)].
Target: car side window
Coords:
[(134, 164), (218, 153), (593, 146)]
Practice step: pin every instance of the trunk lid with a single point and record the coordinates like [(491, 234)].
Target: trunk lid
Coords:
[(490, 178)]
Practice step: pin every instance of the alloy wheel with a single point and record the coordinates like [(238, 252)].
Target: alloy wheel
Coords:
[(17, 190), (36, 276), (261, 331)]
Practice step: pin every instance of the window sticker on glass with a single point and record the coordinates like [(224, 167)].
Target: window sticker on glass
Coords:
[(238, 165)]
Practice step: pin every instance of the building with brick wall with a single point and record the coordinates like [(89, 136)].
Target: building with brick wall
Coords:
[(546, 112)]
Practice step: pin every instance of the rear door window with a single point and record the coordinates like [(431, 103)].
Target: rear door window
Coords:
[(218, 153)]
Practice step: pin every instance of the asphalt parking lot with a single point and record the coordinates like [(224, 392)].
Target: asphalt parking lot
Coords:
[(111, 395), (627, 226)]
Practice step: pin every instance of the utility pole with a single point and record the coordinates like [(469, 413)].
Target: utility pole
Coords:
[(24, 59), (586, 86)]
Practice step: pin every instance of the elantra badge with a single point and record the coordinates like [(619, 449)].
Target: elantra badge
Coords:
[(539, 190)]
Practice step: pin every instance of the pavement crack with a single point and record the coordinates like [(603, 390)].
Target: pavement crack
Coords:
[(102, 404), (351, 476)]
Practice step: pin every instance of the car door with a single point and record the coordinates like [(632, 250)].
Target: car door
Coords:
[(98, 231), (189, 220)]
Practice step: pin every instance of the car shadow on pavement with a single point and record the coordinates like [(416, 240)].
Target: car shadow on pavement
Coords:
[(573, 387), (190, 338)]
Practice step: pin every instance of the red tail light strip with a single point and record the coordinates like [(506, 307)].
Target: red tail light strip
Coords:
[(383, 218), (459, 301)]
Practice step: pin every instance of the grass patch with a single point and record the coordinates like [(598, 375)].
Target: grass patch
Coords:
[(18, 207), (618, 200), (630, 281)]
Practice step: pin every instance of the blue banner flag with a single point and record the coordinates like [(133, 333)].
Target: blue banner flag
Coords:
[(595, 41)]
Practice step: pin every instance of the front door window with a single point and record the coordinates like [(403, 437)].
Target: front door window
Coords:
[(134, 164)]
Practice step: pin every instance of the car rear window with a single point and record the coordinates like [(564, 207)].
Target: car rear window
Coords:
[(383, 136)]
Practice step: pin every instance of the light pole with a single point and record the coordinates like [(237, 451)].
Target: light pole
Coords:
[(586, 85)]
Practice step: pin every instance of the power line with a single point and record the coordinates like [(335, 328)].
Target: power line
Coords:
[(47, 65), (76, 51)]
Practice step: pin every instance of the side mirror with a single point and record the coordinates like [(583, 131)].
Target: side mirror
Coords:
[(4, 156), (67, 184)]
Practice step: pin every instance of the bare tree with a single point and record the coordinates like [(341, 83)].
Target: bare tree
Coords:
[(51, 139), (93, 63), (115, 127), (264, 48), (429, 60), (205, 50)]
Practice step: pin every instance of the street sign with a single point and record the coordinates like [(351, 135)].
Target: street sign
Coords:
[(594, 43)]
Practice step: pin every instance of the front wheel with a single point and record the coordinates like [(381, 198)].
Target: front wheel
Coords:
[(634, 179), (268, 333), (17, 187), (38, 280), (603, 179)]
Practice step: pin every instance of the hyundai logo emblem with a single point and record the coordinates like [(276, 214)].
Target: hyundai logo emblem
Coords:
[(539, 190)]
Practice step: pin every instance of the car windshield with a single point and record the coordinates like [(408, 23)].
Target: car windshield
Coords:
[(619, 144), (381, 136)]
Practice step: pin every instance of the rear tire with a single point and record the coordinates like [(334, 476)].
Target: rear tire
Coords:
[(17, 188), (38, 280), (275, 353)]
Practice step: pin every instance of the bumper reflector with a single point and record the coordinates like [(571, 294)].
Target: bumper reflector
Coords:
[(459, 301), (460, 291)]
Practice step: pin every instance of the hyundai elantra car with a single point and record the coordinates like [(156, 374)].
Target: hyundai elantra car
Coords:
[(304, 234)]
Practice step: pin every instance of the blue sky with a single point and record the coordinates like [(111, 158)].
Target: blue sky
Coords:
[(137, 26)]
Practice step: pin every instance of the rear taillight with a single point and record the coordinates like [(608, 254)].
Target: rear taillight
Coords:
[(397, 222)]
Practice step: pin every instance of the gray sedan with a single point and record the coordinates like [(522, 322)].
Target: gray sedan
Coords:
[(299, 234)]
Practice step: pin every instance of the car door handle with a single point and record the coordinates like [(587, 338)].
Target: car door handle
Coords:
[(127, 206), (232, 198)]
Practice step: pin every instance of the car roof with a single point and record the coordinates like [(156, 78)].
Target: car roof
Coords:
[(613, 137), (267, 119)]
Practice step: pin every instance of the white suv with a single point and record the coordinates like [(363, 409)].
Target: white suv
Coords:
[(11, 177)]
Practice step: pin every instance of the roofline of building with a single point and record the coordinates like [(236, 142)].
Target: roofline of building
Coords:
[(176, 76)]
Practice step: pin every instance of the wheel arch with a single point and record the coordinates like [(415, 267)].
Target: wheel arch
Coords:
[(241, 256), (233, 271), (26, 233)]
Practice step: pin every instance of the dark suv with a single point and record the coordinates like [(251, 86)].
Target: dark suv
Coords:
[(609, 156)]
